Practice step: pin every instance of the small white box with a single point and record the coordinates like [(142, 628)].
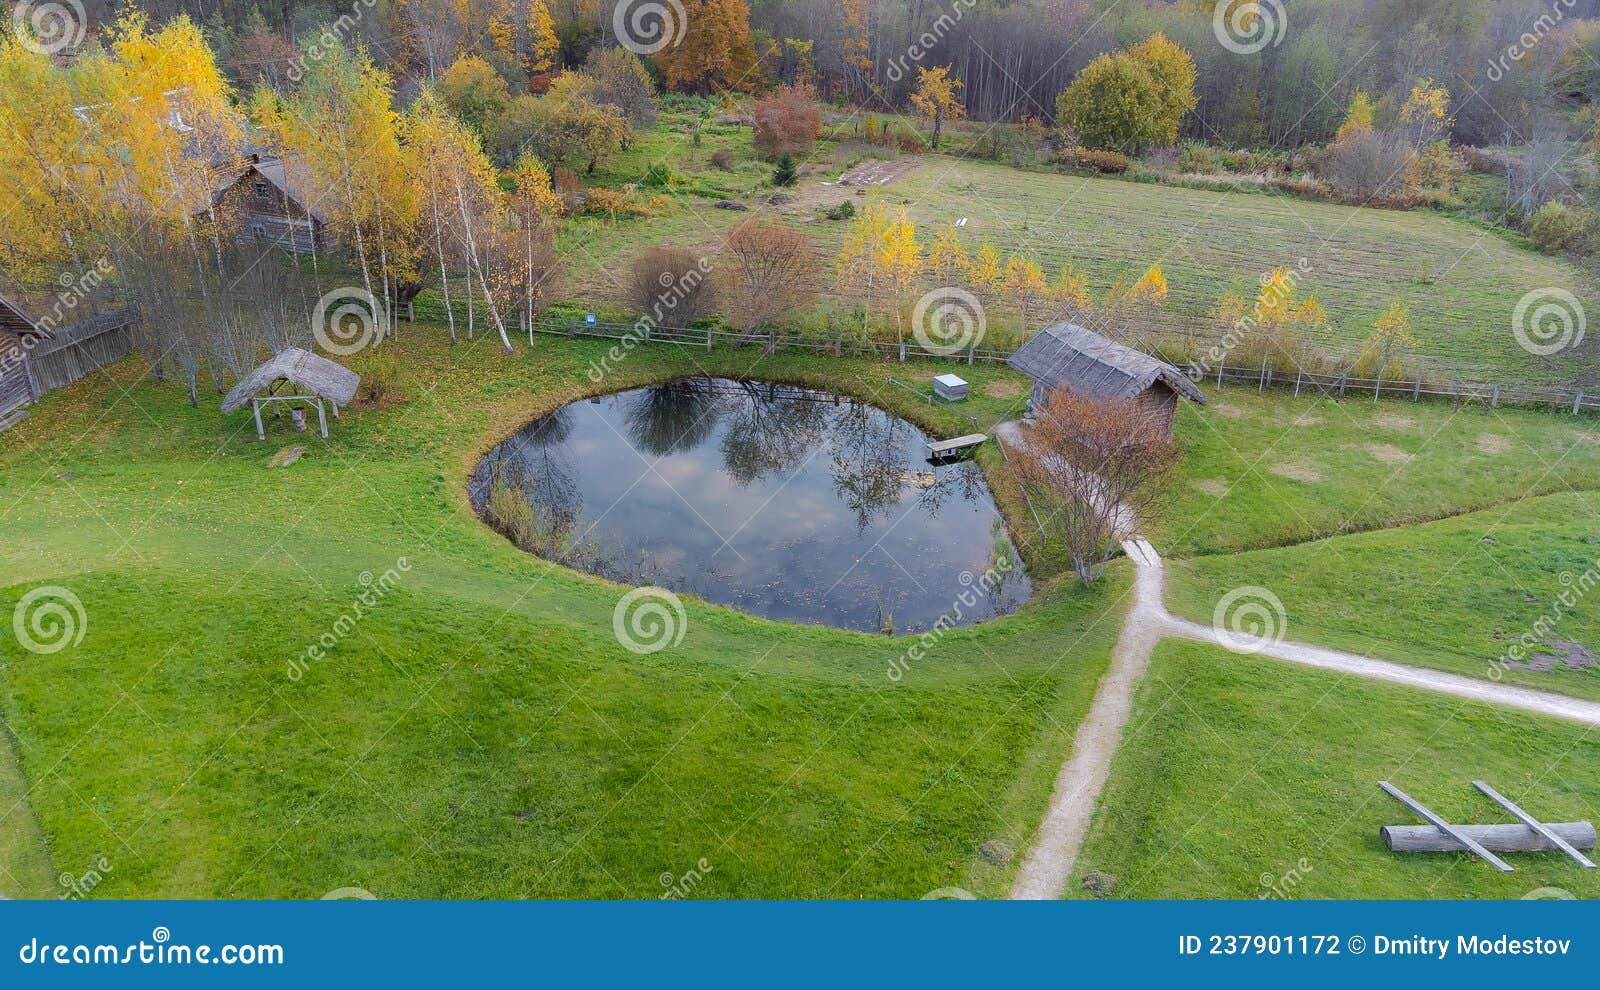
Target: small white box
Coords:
[(951, 388)]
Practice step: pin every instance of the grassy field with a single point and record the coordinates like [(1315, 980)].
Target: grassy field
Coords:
[(1243, 777), (1454, 594), (1460, 282), (479, 732)]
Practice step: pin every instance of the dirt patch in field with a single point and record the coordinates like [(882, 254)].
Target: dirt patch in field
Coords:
[(878, 173), (1388, 454), (1493, 443), (1307, 420), (1590, 438), (1215, 487), (1566, 652), (1231, 412), (1002, 390), (1296, 472), (1393, 421)]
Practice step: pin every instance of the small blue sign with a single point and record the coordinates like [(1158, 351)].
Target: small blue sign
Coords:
[(588, 319)]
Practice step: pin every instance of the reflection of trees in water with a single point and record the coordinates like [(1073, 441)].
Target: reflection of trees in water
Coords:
[(537, 463), (963, 480), (768, 432), (868, 466), (672, 418)]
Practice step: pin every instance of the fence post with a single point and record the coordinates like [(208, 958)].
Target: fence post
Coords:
[(1494, 399), (1299, 373), (1577, 402), (970, 346), (708, 340), (902, 352), (1416, 391), (1344, 381), (1219, 374)]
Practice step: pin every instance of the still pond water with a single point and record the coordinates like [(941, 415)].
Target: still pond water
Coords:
[(782, 502)]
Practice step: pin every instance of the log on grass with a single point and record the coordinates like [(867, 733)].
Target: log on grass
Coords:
[(1495, 838)]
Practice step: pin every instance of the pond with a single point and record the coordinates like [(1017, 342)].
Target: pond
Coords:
[(779, 501)]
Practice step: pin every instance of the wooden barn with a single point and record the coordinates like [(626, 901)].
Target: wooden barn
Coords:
[(1067, 356), (18, 337), (274, 204)]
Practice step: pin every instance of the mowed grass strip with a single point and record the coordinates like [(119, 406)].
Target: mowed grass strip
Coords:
[(1454, 595), (1243, 777)]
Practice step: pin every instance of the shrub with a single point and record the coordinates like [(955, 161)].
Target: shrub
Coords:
[(787, 122), (380, 376), (614, 203), (1198, 159), (621, 80), (844, 211), (1109, 162), (661, 175), (509, 512), (1372, 165), (1131, 99), (474, 92), (1557, 227), (723, 158), (672, 286), (787, 172)]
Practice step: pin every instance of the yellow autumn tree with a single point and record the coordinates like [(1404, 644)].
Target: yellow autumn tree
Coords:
[(1357, 118), (1150, 288), (947, 256), (936, 99), (900, 259), (983, 270), (1070, 289), (716, 51), (1384, 351), (1025, 286)]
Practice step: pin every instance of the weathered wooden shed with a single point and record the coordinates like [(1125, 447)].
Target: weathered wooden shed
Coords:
[(274, 203), (1074, 358), (312, 379), (18, 336)]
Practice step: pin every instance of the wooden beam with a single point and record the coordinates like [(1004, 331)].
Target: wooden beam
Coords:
[(1534, 823), (1501, 838), (1448, 829)]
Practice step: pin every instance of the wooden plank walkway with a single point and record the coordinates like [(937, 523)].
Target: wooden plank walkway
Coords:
[(944, 448)]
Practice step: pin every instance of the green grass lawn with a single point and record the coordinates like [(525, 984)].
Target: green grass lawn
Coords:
[(1460, 282), (1455, 594), (480, 732), (1244, 777)]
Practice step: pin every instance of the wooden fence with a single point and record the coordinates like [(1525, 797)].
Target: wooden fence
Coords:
[(72, 352)]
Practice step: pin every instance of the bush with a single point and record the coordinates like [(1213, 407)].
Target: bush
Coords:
[(509, 512), (1556, 227), (787, 173), (380, 379), (661, 175), (671, 285), (787, 122), (844, 211), (723, 158), (1109, 162), (1372, 166)]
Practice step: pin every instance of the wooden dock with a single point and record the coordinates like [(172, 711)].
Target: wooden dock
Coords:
[(939, 449)]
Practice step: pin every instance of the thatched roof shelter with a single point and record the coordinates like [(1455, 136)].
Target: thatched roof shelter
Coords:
[(1071, 357), (314, 380), (308, 372)]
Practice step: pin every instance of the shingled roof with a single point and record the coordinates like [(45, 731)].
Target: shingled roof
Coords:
[(304, 370), (1068, 356)]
